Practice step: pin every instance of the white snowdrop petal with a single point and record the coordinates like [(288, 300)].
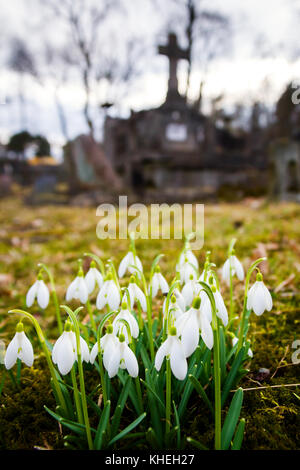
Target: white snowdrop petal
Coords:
[(162, 351), (238, 268), (190, 335), (155, 285), (11, 354), (124, 265), (221, 308), (94, 353), (114, 362), (164, 286), (178, 361), (268, 299), (130, 361), (85, 353), (113, 296), (226, 271), (101, 300), (42, 294), (31, 294), (188, 292), (98, 277), (90, 280), (206, 332), (82, 290), (71, 290), (27, 350), (65, 356)]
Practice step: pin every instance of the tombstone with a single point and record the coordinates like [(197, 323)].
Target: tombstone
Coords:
[(285, 170)]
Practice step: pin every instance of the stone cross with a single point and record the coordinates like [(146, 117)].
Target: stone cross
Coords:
[(174, 54)]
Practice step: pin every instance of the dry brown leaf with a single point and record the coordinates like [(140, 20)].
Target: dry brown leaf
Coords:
[(284, 283)]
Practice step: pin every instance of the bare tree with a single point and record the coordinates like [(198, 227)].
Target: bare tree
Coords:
[(20, 60), (86, 48)]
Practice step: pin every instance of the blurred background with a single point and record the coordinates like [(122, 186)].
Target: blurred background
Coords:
[(177, 100)]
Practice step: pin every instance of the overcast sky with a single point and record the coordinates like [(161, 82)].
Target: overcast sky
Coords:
[(242, 76)]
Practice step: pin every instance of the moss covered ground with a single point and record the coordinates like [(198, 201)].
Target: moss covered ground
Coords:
[(57, 236)]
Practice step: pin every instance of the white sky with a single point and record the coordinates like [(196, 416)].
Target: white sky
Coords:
[(239, 76)]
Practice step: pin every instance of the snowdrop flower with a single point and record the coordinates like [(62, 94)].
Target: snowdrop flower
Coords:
[(221, 309), (64, 352), (136, 294), (173, 349), (187, 256), (109, 294), (188, 326), (190, 290), (122, 357), (78, 289), (19, 348), (129, 262), (235, 341), (126, 315), (236, 268), (174, 306), (40, 291), (208, 278), (93, 277), (108, 343), (259, 298), (185, 271), (158, 282)]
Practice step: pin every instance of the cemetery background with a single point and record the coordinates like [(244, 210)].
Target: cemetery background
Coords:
[(174, 150)]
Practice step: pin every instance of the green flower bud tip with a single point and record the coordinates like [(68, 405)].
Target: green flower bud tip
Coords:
[(124, 306), (80, 272), (211, 280), (132, 280), (68, 326), (157, 269), (196, 303), (122, 338), (173, 299), (206, 264), (191, 277), (40, 275), (173, 331), (259, 276), (109, 329), (19, 327), (109, 276), (213, 288), (93, 264)]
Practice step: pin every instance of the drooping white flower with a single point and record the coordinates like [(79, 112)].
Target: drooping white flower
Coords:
[(109, 294), (173, 349), (259, 298), (64, 352), (19, 348), (93, 277), (158, 282), (185, 271), (235, 341), (136, 294), (108, 343), (189, 324), (221, 309), (130, 262), (236, 268), (208, 277), (126, 315), (174, 305), (78, 289), (187, 256), (38, 291), (190, 290), (122, 357)]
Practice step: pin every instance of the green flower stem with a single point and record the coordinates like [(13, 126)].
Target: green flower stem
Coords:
[(217, 380), (54, 297), (76, 397), (231, 307), (168, 397), (140, 318), (138, 384), (72, 315), (100, 360), (90, 311), (242, 325), (149, 318), (47, 355)]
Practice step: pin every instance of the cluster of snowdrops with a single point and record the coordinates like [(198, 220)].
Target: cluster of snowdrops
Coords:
[(200, 338)]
